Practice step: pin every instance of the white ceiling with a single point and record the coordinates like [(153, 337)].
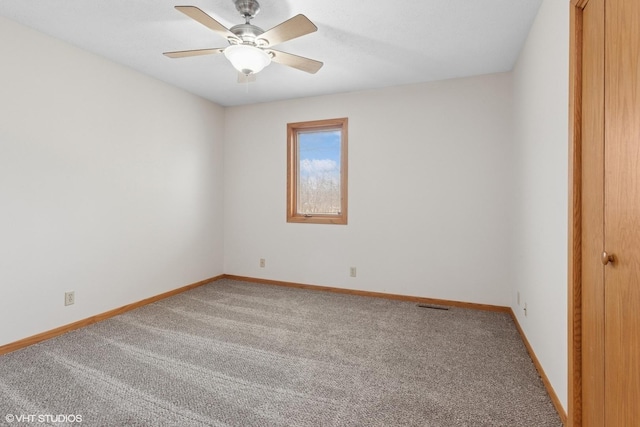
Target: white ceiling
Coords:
[(363, 44)]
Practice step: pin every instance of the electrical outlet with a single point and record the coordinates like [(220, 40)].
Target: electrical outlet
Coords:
[(262, 262), (69, 298), (518, 297), (352, 272)]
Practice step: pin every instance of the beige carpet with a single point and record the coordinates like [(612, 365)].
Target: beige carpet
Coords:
[(241, 354)]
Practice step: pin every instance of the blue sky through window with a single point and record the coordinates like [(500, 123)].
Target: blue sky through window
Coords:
[(319, 151)]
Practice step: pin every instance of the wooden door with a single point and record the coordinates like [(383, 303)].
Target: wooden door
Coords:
[(622, 213), (605, 388)]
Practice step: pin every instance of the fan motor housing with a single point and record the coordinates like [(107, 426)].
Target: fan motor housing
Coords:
[(246, 32)]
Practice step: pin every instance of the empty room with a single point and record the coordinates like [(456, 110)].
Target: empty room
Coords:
[(319, 213)]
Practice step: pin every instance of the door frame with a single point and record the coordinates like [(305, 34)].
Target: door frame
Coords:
[(574, 412)]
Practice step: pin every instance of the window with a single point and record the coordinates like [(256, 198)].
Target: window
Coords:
[(317, 172)]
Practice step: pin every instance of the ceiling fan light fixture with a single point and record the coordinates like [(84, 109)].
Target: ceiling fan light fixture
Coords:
[(247, 59)]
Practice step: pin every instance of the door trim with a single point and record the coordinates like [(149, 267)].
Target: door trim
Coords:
[(574, 412)]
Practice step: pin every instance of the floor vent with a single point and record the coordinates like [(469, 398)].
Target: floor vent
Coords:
[(433, 307)]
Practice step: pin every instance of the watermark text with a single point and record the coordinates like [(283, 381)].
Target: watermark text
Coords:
[(43, 418)]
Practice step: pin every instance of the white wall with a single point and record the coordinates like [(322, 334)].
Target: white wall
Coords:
[(541, 179), (110, 185), (429, 207)]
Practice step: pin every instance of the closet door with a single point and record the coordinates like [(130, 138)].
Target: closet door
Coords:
[(621, 254)]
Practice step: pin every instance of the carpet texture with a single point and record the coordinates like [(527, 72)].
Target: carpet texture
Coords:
[(242, 354)]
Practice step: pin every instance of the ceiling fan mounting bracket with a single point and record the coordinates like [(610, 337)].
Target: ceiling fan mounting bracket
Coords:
[(247, 8)]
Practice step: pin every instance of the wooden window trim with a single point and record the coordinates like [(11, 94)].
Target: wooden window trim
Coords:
[(574, 410), (293, 170)]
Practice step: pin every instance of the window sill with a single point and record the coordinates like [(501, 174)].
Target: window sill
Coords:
[(318, 219)]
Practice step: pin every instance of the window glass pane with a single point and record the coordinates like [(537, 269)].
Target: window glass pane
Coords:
[(319, 172)]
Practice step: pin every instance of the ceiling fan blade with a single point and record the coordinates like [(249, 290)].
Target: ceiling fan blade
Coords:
[(297, 26), (196, 52), (198, 15), (299, 62)]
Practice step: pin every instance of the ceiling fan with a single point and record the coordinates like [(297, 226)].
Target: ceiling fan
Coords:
[(250, 47)]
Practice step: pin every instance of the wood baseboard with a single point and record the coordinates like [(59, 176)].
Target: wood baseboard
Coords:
[(545, 380), (422, 300), (8, 348)]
